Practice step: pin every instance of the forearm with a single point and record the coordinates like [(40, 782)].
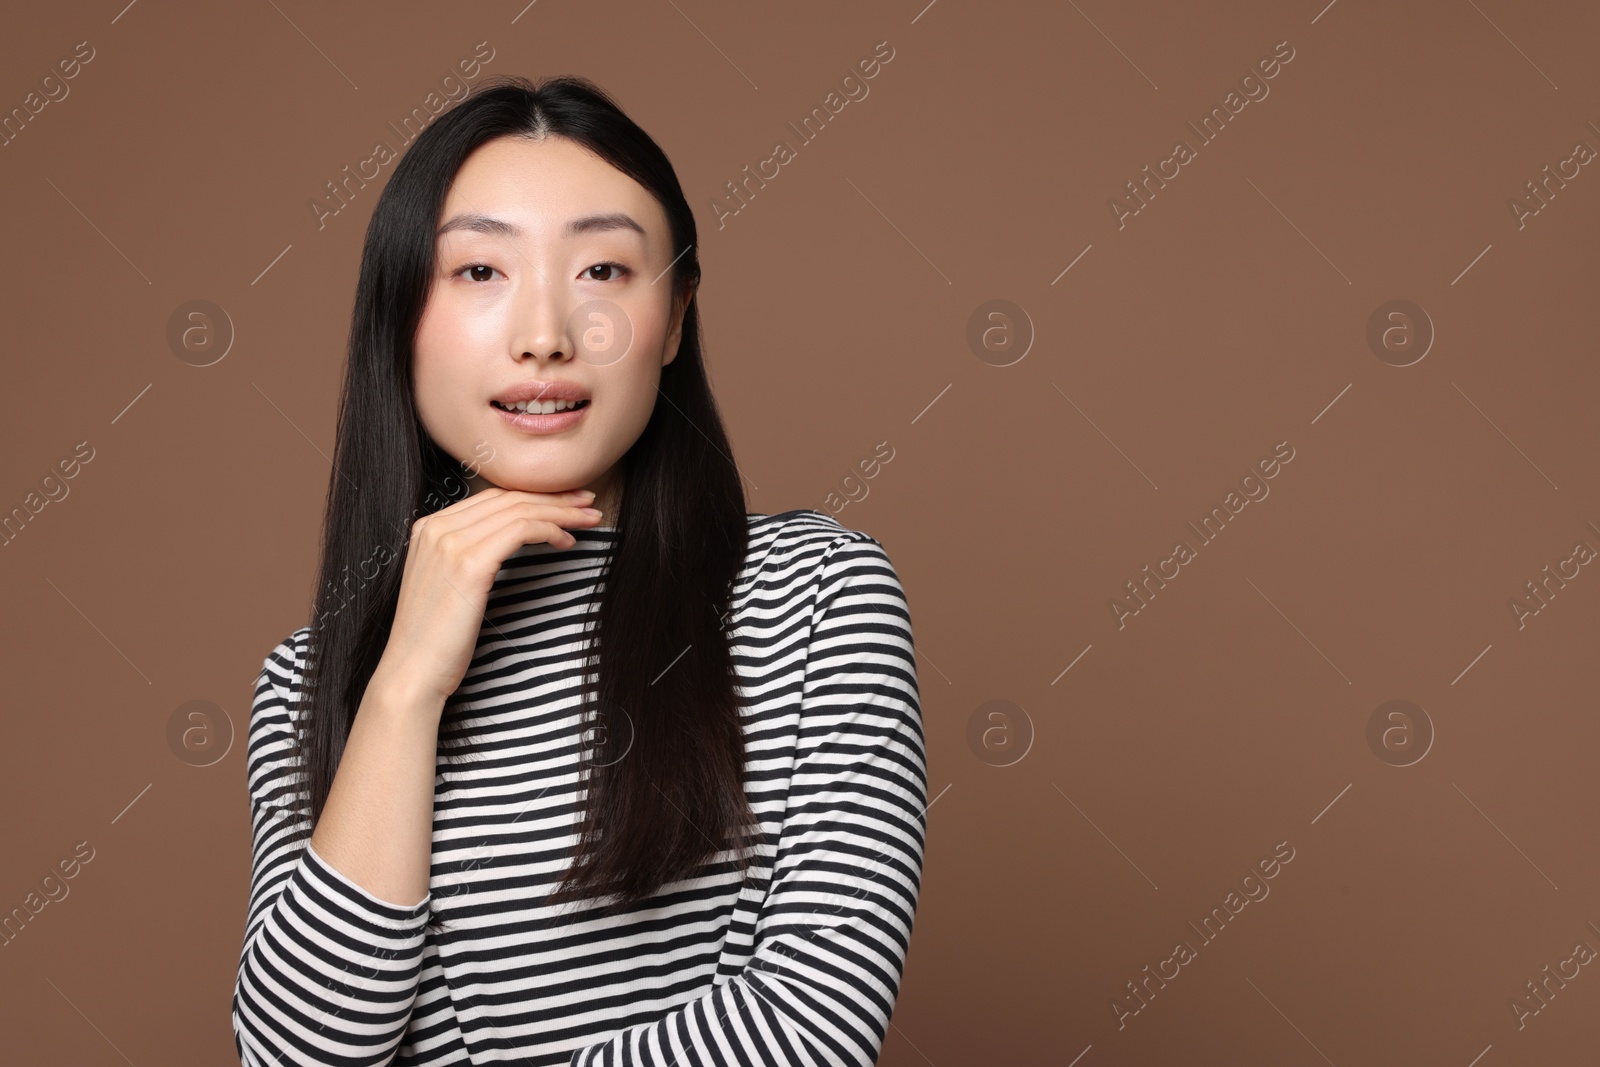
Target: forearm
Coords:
[(376, 827), (333, 941)]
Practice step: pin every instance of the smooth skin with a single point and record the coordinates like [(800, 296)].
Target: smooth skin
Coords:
[(500, 311)]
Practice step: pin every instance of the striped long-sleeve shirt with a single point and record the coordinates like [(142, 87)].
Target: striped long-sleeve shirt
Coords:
[(798, 965)]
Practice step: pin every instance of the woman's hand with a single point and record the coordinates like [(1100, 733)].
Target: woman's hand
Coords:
[(450, 566)]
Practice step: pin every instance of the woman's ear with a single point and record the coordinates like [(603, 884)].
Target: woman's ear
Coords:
[(680, 307)]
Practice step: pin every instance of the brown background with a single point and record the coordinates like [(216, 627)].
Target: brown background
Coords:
[(1230, 314)]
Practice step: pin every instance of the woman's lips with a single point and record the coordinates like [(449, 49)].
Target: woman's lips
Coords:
[(542, 424)]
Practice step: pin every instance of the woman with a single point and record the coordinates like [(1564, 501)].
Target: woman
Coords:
[(641, 781)]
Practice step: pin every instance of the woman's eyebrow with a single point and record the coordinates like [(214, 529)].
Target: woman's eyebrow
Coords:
[(476, 223)]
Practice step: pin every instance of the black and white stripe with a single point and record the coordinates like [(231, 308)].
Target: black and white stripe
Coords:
[(799, 965)]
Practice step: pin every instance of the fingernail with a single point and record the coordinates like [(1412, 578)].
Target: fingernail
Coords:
[(590, 511)]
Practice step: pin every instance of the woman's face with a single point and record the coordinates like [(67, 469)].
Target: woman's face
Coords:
[(550, 271)]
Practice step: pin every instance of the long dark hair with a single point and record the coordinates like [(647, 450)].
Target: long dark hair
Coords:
[(665, 790)]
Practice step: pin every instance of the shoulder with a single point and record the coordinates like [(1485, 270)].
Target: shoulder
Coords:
[(807, 534), (281, 669), (806, 549), (274, 716)]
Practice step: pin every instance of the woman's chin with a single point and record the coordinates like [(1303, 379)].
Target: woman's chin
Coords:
[(538, 485)]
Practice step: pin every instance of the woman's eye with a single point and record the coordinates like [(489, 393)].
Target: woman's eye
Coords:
[(618, 268), (482, 272)]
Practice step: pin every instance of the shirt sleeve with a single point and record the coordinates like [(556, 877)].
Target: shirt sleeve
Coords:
[(832, 934), (328, 972)]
